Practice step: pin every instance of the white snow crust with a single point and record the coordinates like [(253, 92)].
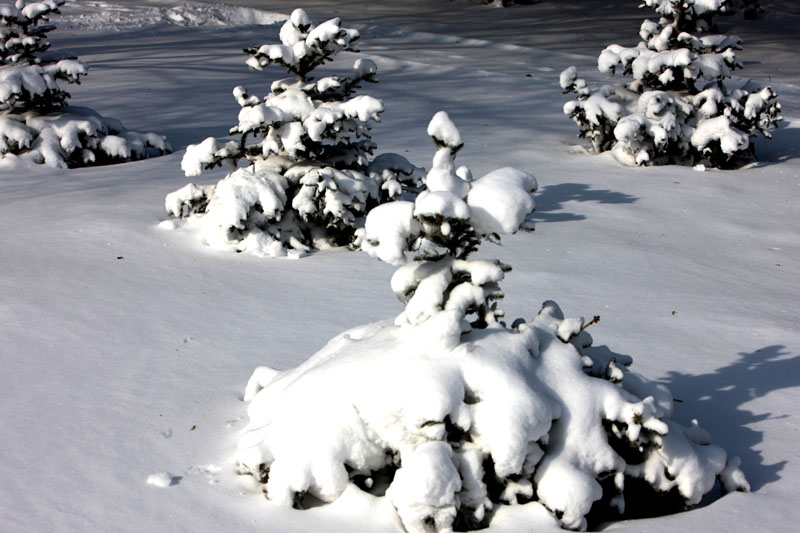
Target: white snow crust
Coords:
[(500, 201), (161, 479)]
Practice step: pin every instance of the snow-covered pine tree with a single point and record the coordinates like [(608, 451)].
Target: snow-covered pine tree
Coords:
[(35, 123), (680, 106), (310, 179), (450, 412), (442, 228)]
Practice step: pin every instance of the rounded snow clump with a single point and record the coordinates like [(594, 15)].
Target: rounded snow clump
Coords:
[(505, 415)]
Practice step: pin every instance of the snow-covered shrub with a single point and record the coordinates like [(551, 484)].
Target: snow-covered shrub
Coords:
[(310, 179), (447, 410), (679, 107), (35, 123), (594, 113)]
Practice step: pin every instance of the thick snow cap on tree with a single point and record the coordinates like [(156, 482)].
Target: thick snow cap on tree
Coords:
[(315, 135), (497, 203), (442, 176)]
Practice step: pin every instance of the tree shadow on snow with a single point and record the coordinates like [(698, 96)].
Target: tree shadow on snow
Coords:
[(551, 199), (784, 146), (717, 398)]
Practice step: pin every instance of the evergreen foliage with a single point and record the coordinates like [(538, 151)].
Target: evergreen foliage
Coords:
[(476, 413), (681, 106), (310, 178), (35, 123), (443, 227)]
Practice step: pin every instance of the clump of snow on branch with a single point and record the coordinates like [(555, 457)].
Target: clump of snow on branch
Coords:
[(310, 177), (35, 123), (476, 413), (679, 108)]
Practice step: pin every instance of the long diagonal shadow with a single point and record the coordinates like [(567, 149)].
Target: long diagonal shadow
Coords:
[(551, 199), (716, 399)]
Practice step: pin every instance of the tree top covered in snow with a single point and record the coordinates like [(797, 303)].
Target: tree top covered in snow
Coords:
[(442, 227), (304, 46), (23, 30)]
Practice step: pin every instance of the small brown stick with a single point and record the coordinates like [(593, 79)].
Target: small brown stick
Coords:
[(595, 320)]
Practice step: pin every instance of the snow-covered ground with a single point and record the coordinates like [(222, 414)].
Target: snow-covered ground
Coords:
[(125, 348)]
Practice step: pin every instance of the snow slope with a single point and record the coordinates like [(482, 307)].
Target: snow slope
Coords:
[(125, 348)]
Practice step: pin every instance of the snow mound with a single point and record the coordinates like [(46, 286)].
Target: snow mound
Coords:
[(515, 408), (161, 479), (73, 136), (108, 17)]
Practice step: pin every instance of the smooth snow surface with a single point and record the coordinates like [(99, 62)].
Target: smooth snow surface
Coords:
[(124, 347)]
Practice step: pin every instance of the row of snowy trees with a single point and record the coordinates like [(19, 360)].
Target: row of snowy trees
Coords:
[(36, 124), (310, 177), (678, 109), (478, 412), (681, 106)]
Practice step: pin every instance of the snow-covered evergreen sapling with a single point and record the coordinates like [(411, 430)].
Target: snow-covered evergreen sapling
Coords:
[(35, 123), (310, 179), (679, 108), (453, 409)]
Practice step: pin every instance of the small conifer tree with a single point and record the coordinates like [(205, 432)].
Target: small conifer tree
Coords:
[(35, 122), (443, 227), (309, 179), (680, 107), (476, 413)]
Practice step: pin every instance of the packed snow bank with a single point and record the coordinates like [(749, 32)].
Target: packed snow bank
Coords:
[(106, 16)]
